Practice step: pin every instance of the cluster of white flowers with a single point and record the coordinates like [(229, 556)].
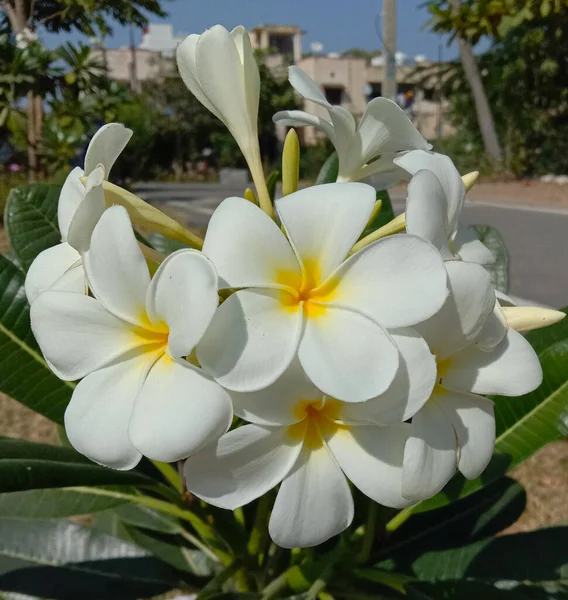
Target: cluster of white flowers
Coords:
[(350, 360)]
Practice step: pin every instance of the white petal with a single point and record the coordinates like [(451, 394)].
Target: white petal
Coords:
[(314, 502), (276, 404), (399, 281), (465, 311), (88, 213), (251, 341), (408, 392), (306, 86), (96, 420), (430, 456), (346, 142), (382, 173), (77, 335), (385, 127), (494, 329), (511, 369), (299, 118), (427, 211), (72, 194), (245, 464), (48, 269), (116, 269), (247, 247), (371, 458), (249, 69), (183, 294), (220, 73), (178, 411), (444, 169), (468, 247), (347, 355), (185, 56), (106, 146), (324, 222), (474, 424)]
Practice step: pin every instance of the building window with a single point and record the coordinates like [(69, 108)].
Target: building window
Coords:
[(281, 44), (374, 91), (333, 94)]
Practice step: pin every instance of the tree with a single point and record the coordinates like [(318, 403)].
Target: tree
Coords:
[(86, 16), (484, 116), (524, 75)]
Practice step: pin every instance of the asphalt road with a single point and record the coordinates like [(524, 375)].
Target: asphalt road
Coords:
[(537, 240)]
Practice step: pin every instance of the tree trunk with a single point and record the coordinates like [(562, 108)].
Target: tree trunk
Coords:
[(482, 108), (32, 139), (38, 126)]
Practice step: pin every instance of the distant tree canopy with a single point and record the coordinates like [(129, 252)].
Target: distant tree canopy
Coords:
[(91, 17), (361, 53), (494, 18), (524, 74)]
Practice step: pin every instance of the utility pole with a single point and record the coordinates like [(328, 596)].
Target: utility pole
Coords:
[(134, 82), (389, 47)]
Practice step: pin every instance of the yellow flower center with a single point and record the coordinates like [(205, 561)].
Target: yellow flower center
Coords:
[(316, 419), (153, 336), (306, 290)]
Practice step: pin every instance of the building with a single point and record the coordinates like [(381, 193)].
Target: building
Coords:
[(348, 81)]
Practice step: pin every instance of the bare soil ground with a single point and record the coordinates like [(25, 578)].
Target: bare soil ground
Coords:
[(544, 476)]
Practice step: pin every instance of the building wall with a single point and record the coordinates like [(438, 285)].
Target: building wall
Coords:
[(150, 64)]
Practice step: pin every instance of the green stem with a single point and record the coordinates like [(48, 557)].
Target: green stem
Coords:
[(217, 582), (170, 474), (199, 544), (399, 519), (259, 533), (205, 531), (276, 586), (334, 557), (370, 528)]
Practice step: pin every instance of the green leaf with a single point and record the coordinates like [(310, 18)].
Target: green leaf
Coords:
[(499, 270), (26, 466), (328, 173), (527, 423), (142, 516), (170, 551), (65, 561), (24, 374), (271, 182), (536, 556), (31, 220), (476, 518), (53, 504), (500, 590)]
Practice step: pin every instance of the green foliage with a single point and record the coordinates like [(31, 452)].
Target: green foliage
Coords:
[(93, 16), (495, 18), (524, 78)]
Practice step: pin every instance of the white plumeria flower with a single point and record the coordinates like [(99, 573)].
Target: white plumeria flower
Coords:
[(80, 206), (456, 426), (138, 396), (363, 150), (436, 195), (297, 293), (310, 444), (220, 70)]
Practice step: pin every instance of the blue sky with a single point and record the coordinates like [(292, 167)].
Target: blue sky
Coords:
[(337, 24)]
